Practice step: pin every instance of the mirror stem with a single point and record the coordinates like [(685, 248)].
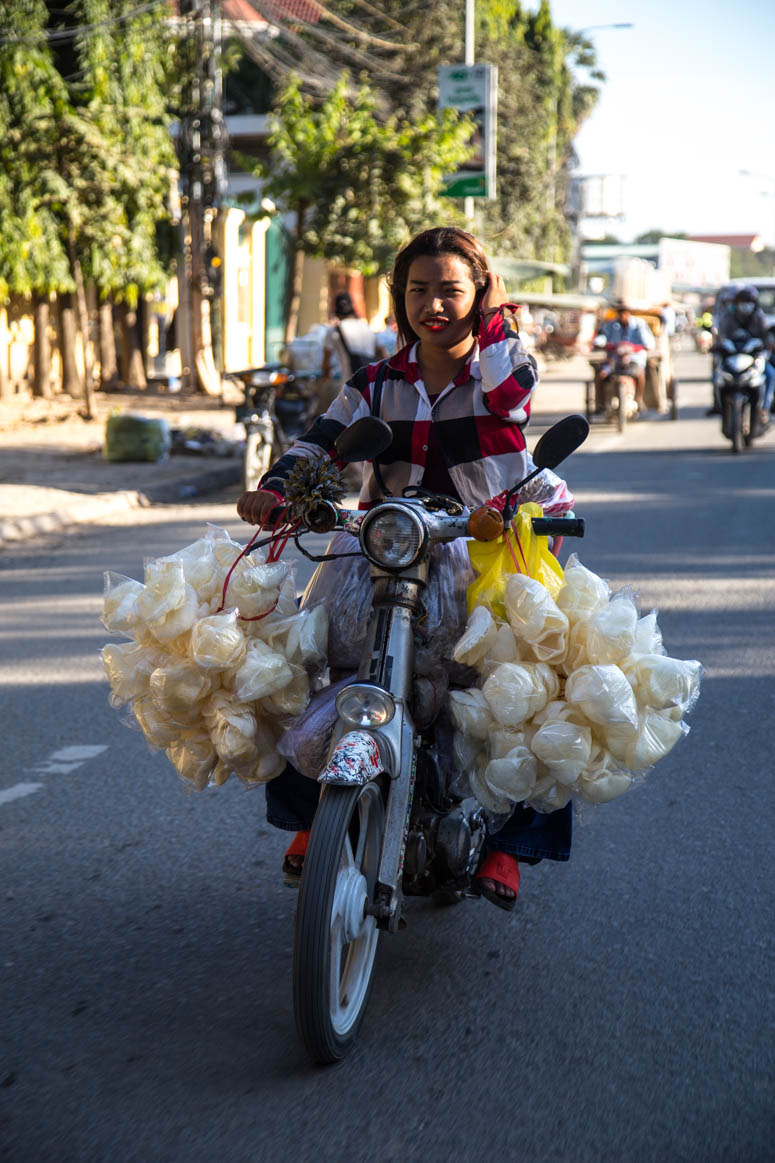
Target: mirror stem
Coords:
[(379, 478), (508, 508)]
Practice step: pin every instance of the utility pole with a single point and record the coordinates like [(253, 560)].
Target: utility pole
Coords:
[(468, 203), (202, 144)]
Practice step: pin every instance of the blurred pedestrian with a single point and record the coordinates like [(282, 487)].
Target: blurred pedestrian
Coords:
[(387, 338), (349, 342)]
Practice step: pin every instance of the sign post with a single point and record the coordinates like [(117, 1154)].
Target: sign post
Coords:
[(472, 89)]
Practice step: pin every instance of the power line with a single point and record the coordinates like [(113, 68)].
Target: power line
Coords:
[(68, 33)]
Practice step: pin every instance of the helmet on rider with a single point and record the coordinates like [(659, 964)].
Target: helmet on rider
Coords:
[(746, 301)]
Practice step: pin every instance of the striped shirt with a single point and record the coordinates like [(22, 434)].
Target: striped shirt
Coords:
[(478, 420)]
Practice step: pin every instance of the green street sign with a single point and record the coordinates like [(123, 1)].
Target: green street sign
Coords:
[(468, 186), (472, 89)]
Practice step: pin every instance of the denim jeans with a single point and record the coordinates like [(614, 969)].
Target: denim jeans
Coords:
[(292, 798)]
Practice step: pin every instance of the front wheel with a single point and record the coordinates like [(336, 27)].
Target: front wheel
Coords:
[(735, 422), (256, 460), (336, 940)]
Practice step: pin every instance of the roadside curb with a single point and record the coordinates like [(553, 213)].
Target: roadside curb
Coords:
[(93, 507)]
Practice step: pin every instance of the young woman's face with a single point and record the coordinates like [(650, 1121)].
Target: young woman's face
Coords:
[(439, 299)]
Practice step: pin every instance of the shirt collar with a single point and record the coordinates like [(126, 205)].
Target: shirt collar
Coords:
[(405, 362)]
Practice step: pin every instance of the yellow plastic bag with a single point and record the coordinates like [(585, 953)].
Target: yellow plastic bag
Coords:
[(518, 550)]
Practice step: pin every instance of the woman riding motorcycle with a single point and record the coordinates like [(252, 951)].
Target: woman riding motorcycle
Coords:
[(456, 396)]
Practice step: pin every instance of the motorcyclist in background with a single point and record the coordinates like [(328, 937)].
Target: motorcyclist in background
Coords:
[(743, 314), (768, 403), (629, 328)]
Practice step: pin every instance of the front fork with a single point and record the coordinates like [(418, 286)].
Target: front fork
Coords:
[(388, 662)]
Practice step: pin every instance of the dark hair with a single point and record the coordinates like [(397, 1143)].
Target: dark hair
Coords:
[(343, 305), (433, 243)]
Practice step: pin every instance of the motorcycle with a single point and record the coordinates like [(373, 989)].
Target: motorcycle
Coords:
[(615, 382), (277, 408), (740, 382), (391, 822)]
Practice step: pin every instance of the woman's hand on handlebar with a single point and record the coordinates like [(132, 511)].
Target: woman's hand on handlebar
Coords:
[(256, 507)]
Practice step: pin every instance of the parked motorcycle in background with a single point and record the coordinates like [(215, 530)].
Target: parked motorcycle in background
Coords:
[(279, 405), (740, 382), (615, 382)]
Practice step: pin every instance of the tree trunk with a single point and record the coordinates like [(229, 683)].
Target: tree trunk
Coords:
[(6, 390), (132, 367), (41, 381), (107, 340), (83, 323), (292, 322), (68, 336), (205, 376)]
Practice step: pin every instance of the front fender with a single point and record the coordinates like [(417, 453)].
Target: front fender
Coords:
[(356, 759)]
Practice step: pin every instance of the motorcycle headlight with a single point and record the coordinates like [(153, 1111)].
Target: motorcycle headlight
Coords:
[(393, 537), (362, 705), (740, 362)]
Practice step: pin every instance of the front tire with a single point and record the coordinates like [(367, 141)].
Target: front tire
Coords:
[(735, 423), (624, 403), (336, 941)]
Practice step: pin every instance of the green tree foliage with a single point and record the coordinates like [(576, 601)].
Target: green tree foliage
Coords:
[(547, 87), (756, 264), (121, 94), (652, 236), (33, 255), (85, 147), (357, 184)]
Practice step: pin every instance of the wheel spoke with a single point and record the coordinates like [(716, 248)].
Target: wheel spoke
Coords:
[(337, 946), (348, 860), (363, 812)]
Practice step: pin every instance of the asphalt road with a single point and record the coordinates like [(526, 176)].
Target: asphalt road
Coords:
[(622, 1013)]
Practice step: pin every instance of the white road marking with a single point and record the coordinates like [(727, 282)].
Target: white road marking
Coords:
[(18, 790), (48, 767), (67, 759), (69, 754)]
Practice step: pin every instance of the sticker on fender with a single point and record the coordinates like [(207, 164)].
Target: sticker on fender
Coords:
[(355, 760)]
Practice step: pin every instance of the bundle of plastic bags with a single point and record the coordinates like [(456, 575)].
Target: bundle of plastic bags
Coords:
[(577, 696), (219, 657)]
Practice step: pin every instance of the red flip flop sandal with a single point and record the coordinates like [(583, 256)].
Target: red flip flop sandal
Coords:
[(503, 868), (298, 847)]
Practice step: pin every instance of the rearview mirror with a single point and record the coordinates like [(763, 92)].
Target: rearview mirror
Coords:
[(559, 441), (364, 439)]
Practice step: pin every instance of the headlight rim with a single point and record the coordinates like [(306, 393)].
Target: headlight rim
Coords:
[(406, 511), (371, 687)]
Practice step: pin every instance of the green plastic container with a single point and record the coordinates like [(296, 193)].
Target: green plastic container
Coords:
[(129, 437)]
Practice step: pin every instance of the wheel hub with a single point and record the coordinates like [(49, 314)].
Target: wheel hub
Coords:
[(350, 901)]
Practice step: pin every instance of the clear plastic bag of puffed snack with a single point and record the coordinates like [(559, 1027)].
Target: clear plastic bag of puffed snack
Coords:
[(515, 691), (119, 606), (612, 630), (217, 642), (583, 593), (535, 618), (128, 668)]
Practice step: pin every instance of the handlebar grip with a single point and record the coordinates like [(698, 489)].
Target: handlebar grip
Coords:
[(558, 526)]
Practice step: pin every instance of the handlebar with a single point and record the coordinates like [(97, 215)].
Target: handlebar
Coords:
[(323, 520), (558, 526)]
